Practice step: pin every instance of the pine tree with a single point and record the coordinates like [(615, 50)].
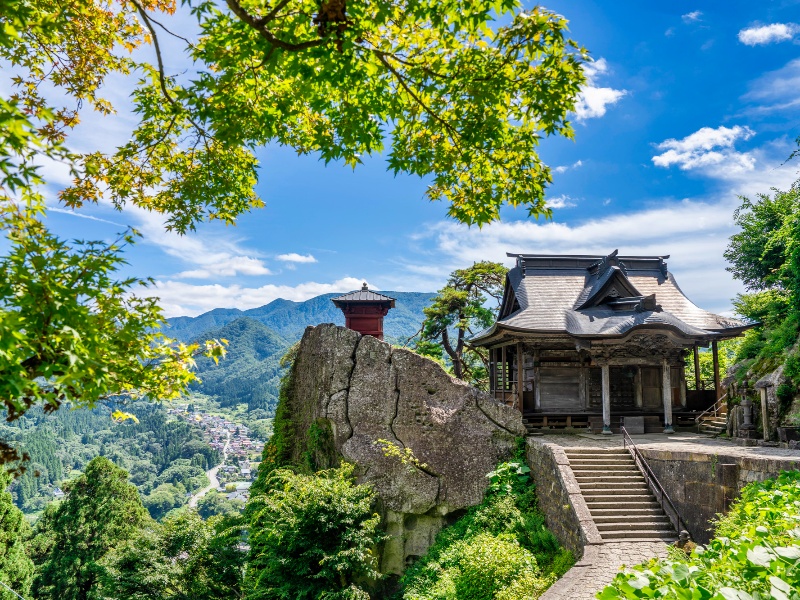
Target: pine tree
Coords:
[(101, 511), (16, 569)]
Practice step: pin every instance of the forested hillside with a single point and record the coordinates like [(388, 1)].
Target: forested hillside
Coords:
[(250, 372), (165, 458)]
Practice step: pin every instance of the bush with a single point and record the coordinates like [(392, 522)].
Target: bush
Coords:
[(311, 536), (500, 549), (754, 556)]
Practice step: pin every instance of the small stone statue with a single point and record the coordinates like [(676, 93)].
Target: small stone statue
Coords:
[(685, 543)]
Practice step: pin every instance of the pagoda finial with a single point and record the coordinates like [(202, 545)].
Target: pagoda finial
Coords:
[(364, 287)]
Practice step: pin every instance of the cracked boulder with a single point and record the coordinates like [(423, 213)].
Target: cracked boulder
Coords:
[(442, 435)]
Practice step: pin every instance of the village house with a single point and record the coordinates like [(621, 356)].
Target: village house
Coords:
[(587, 340)]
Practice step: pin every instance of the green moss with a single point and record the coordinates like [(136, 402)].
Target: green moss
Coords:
[(320, 452), (290, 446)]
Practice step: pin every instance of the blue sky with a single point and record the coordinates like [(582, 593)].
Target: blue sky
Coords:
[(688, 105)]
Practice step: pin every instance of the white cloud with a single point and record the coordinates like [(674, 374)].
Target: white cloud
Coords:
[(768, 34), (562, 201), (694, 232), (670, 32), (209, 255), (72, 213), (293, 257), (776, 90), (593, 101), (565, 168), (692, 17), (708, 149), (179, 298)]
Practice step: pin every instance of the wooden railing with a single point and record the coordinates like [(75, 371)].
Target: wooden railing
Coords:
[(714, 409), (652, 482)]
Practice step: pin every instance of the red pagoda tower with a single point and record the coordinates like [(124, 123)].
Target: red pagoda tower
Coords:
[(364, 311)]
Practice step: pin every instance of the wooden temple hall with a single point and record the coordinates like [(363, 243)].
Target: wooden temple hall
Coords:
[(585, 340)]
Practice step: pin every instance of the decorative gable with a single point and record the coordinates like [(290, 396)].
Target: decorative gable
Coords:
[(510, 303), (612, 285)]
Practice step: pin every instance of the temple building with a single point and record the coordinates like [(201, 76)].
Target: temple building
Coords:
[(585, 340)]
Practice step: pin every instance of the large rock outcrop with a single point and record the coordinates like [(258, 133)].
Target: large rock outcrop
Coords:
[(365, 391)]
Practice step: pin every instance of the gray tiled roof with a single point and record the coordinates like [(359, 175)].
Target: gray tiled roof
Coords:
[(551, 292), (363, 295)]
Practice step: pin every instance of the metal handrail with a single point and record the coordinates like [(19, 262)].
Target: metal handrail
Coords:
[(652, 482), (716, 407)]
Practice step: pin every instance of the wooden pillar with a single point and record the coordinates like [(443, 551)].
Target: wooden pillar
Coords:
[(537, 400), (606, 386), (504, 371), (715, 353), (492, 373), (696, 368), (682, 386), (764, 414), (520, 379), (666, 395), (637, 387)]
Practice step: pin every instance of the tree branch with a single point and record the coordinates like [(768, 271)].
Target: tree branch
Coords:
[(162, 79), (259, 24)]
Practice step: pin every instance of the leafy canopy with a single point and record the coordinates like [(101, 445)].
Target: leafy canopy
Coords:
[(501, 549), (460, 92), (184, 558), (16, 569), (765, 256), (71, 329)]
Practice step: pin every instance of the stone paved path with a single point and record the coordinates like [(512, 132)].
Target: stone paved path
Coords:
[(598, 567), (685, 441)]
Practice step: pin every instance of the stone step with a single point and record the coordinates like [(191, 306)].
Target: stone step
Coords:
[(621, 460), (593, 486), (617, 492), (667, 535), (712, 429), (616, 477), (593, 452), (623, 504), (645, 518), (622, 495), (662, 525), (605, 467), (619, 513)]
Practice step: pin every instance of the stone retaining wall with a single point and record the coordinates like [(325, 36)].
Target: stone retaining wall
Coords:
[(702, 485), (560, 497)]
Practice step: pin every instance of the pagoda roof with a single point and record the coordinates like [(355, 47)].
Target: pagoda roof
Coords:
[(588, 296), (364, 295)]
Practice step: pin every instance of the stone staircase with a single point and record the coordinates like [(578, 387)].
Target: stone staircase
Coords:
[(621, 504), (715, 425)]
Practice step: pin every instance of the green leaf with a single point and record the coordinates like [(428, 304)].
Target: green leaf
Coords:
[(760, 556)]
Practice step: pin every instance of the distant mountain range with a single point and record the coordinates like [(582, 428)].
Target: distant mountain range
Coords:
[(289, 319), (259, 337)]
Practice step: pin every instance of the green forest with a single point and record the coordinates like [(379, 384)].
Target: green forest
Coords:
[(165, 459)]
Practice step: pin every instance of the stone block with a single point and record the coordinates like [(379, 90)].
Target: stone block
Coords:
[(633, 425)]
